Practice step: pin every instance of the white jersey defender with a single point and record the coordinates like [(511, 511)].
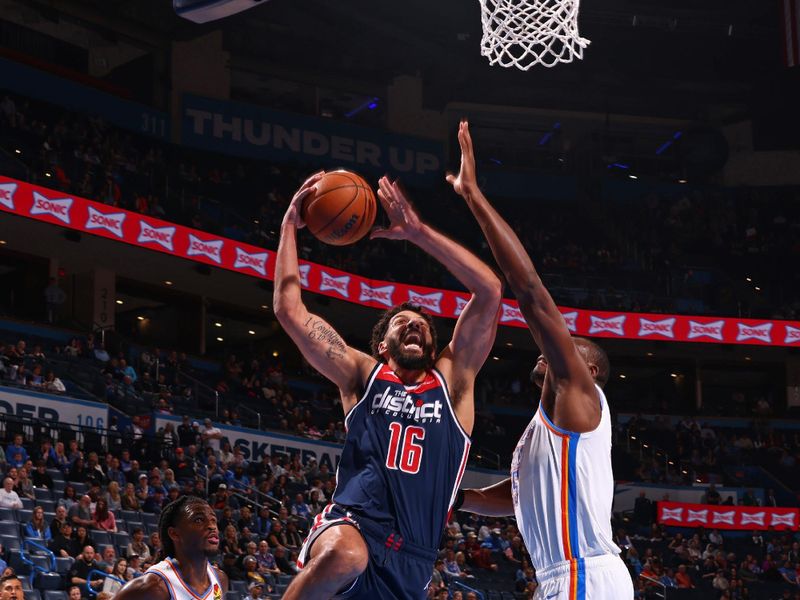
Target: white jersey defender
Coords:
[(563, 488), (179, 589)]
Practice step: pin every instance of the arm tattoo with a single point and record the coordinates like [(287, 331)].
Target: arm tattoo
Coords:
[(320, 331)]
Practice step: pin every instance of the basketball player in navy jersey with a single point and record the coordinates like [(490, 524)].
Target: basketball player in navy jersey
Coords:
[(408, 414), (561, 486), (189, 535)]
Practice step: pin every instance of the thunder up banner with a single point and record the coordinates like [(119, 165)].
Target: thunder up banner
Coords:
[(261, 133), (52, 408), (57, 208), (681, 514)]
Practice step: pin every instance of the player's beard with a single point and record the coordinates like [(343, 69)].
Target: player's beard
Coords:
[(409, 361)]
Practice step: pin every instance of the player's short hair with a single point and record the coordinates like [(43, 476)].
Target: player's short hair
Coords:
[(382, 326), (597, 356), (169, 517)]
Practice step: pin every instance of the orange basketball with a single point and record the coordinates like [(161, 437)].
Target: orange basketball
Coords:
[(343, 209)]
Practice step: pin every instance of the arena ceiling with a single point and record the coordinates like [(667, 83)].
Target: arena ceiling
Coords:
[(682, 58)]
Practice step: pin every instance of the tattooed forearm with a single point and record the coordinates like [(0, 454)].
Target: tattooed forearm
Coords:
[(320, 331)]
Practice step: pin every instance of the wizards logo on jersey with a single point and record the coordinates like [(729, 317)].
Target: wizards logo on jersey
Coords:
[(400, 403), (217, 592)]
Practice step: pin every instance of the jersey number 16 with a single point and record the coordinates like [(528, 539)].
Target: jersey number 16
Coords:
[(405, 441)]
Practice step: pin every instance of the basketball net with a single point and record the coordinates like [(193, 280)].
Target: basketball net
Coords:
[(525, 33)]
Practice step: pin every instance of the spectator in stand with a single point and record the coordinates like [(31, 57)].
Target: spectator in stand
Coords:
[(266, 562), (129, 499), (119, 571), (24, 486), (41, 478), (58, 521), (211, 436), (79, 573), (16, 448), (37, 527), (53, 384), (81, 513), (712, 496), (155, 544), (62, 543), (683, 579), (137, 545), (282, 561), (187, 435), (103, 518), (8, 497)]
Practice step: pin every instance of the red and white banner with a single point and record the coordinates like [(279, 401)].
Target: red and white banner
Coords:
[(682, 514), (57, 208), (791, 29)]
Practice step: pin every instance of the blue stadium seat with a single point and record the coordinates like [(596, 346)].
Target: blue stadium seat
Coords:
[(121, 538), (233, 596), (40, 561), (239, 587), (150, 518), (48, 506), (130, 515), (56, 474), (63, 564), (26, 584), (20, 566), (23, 515), (54, 595), (134, 525), (6, 514), (9, 528), (10, 542), (47, 581), (58, 487), (33, 595), (42, 494), (101, 538), (280, 589), (27, 503), (80, 488)]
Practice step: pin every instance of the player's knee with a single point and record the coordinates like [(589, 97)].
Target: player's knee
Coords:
[(343, 563)]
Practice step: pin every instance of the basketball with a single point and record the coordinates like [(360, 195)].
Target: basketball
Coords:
[(343, 209)]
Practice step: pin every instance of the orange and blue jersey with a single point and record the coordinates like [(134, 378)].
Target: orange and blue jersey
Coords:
[(169, 571), (563, 488)]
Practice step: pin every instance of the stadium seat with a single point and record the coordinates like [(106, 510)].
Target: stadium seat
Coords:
[(23, 515), (48, 506), (54, 595), (121, 538), (239, 587), (63, 564), (129, 515), (42, 494), (233, 596), (150, 518), (9, 528), (132, 525), (20, 566), (101, 538), (33, 595), (40, 561), (6, 514), (47, 581), (10, 542), (55, 474), (80, 488), (27, 503), (58, 487)]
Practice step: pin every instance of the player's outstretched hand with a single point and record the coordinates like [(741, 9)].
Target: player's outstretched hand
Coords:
[(292, 215), (466, 180), (404, 222)]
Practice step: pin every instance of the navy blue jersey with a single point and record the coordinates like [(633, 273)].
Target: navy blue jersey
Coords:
[(404, 456)]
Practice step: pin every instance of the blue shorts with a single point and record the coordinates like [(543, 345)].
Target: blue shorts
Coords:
[(397, 569)]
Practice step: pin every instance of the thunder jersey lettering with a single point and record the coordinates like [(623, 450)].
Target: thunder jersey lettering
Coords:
[(169, 571), (404, 456), (563, 487)]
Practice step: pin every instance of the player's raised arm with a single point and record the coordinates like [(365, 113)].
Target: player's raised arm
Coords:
[(577, 407), (318, 341), (476, 327)]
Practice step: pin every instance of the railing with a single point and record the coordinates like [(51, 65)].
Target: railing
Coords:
[(100, 575), (661, 592), (488, 458), (34, 567), (258, 498), (456, 583), (246, 409)]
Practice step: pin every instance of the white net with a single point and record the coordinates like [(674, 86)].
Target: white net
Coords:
[(525, 33)]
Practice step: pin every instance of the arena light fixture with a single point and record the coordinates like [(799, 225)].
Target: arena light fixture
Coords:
[(632, 176), (673, 375), (251, 332), (167, 282), (47, 174), (682, 181), (275, 353), (758, 289), (747, 358), (217, 324), (140, 318), (17, 151), (649, 354), (748, 279), (495, 358), (622, 376), (264, 306), (3, 242), (219, 339), (120, 302)]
